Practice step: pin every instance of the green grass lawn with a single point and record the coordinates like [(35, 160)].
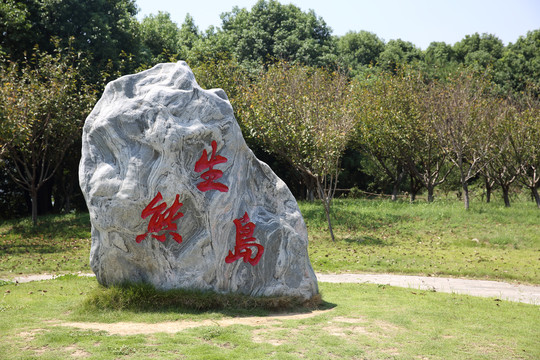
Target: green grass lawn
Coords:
[(48, 320), (59, 319), (441, 239), (59, 244)]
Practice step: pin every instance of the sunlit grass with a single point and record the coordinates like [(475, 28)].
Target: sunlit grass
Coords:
[(361, 321), (442, 239), (488, 241)]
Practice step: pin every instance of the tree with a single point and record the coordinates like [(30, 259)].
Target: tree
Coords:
[(304, 115), (439, 54), (189, 33), (395, 129), (101, 30), (160, 38), (275, 31), (14, 27), (379, 105), (359, 50), (43, 103), (482, 49), (211, 46), (525, 143), (461, 116), (423, 154), (503, 167), (519, 66), (399, 52), (439, 60)]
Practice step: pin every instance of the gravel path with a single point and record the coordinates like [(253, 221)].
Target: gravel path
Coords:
[(495, 289)]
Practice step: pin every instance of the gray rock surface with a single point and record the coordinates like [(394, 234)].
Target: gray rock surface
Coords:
[(143, 138)]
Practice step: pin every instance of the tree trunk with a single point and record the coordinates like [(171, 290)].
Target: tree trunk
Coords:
[(506, 190), (326, 200), (309, 194), (534, 191), (415, 188), (465, 194), (67, 203), (44, 198), (489, 188), (311, 186), (430, 193), (327, 211), (395, 187), (34, 195)]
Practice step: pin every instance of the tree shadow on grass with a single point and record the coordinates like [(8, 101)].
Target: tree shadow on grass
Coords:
[(54, 233), (351, 219), (366, 241), (26, 248), (63, 226)]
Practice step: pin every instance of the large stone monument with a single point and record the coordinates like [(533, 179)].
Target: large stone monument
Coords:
[(178, 200)]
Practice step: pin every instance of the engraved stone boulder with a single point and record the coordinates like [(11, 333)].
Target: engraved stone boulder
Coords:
[(178, 200)]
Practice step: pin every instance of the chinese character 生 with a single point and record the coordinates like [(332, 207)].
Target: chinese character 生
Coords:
[(212, 174)]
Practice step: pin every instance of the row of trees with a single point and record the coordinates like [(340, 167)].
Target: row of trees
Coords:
[(407, 123), (424, 128), (420, 120), (44, 101), (107, 33)]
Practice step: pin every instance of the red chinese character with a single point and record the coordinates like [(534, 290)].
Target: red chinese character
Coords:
[(244, 241), (162, 220), (203, 163)]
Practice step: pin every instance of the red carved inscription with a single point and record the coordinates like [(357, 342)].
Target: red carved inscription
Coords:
[(245, 242), (212, 174), (162, 219)]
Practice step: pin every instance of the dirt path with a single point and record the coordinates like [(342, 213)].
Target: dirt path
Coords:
[(171, 327), (496, 289)]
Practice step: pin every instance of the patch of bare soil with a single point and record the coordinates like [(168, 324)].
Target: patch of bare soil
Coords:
[(340, 326), (171, 327), (346, 331), (75, 352), (30, 335), (269, 336)]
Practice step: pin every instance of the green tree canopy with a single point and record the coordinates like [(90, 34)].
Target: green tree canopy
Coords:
[(160, 38), (189, 33), (100, 29), (519, 66), (398, 52), (271, 30), (358, 50), (482, 49)]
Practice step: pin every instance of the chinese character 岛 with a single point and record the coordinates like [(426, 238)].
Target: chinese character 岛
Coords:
[(162, 219), (245, 241), (209, 176)]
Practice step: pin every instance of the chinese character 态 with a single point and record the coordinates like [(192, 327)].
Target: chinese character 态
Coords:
[(162, 220), (209, 176), (244, 241)]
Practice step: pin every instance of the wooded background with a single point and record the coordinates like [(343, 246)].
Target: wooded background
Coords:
[(321, 110)]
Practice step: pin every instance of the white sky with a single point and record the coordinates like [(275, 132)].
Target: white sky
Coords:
[(417, 21)]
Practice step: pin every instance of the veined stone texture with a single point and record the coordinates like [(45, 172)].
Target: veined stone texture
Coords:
[(144, 137)]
